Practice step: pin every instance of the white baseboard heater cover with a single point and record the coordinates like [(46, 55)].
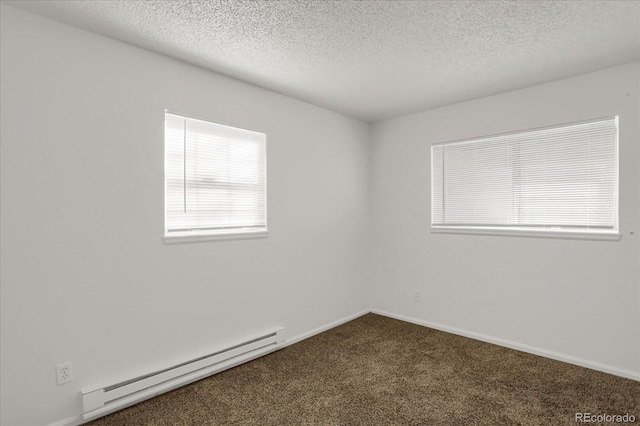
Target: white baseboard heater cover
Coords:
[(99, 401)]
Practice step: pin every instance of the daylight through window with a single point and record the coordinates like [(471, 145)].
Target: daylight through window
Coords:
[(215, 178), (562, 178)]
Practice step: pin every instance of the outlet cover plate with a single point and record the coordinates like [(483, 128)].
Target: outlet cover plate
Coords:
[(64, 373)]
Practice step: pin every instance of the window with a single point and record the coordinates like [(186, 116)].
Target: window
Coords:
[(215, 179), (560, 179)]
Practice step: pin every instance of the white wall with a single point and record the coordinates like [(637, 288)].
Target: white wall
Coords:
[(86, 277), (579, 300)]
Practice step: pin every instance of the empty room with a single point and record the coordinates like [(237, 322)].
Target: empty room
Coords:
[(319, 212)]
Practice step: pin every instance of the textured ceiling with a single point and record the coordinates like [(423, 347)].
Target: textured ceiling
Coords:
[(372, 59)]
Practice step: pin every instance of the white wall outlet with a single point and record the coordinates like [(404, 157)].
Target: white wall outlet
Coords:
[(64, 373), (416, 295)]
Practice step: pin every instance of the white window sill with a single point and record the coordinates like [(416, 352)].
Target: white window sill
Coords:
[(190, 237), (567, 235)]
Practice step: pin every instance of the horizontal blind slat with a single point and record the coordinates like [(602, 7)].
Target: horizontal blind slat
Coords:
[(215, 176), (563, 176)]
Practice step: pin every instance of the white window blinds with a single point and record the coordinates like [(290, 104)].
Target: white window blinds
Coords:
[(563, 178), (215, 178)]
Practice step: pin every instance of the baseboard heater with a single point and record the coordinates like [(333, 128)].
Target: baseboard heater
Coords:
[(99, 401)]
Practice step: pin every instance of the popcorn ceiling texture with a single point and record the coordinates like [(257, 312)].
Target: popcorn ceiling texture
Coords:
[(372, 59)]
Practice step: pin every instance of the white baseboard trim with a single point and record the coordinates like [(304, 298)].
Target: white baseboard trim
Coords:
[(78, 420), (69, 421), (325, 327), (171, 385), (517, 346)]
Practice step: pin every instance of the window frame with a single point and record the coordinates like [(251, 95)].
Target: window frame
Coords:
[(220, 234), (543, 232)]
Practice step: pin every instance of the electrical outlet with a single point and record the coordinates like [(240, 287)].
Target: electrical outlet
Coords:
[(416, 295), (64, 373)]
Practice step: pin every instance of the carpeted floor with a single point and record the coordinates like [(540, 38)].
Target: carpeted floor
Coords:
[(380, 371)]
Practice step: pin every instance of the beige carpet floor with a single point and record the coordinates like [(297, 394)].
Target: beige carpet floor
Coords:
[(380, 371)]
